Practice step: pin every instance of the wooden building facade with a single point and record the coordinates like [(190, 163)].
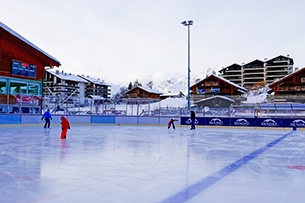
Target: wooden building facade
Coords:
[(216, 85), (290, 88), (142, 92), (22, 66)]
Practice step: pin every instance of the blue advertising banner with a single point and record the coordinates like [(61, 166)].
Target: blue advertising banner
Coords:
[(23, 69), (244, 122)]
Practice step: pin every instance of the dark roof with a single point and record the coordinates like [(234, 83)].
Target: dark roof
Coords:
[(230, 66), (255, 62), (281, 57), (12, 32)]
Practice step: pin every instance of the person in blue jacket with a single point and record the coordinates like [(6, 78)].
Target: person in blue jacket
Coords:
[(47, 117)]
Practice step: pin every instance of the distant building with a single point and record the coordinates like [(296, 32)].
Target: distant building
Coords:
[(233, 73), (253, 74), (258, 73), (290, 88), (22, 67), (143, 92), (96, 87), (63, 90), (216, 85), (215, 102), (278, 68), (172, 95)]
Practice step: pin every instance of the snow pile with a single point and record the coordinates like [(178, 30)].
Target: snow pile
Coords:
[(257, 96), (170, 102)]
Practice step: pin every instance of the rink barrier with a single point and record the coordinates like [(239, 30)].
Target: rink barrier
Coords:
[(293, 123), (86, 119)]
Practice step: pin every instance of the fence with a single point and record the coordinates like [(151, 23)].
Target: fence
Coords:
[(249, 111), (273, 110)]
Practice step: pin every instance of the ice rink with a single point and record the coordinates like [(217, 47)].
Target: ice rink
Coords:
[(151, 164)]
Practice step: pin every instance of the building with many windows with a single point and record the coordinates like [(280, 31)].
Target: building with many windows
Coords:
[(258, 73), (96, 87), (278, 68), (233, 73), (62, 90)]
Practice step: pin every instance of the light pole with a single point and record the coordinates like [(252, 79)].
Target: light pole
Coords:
[(188, 24)]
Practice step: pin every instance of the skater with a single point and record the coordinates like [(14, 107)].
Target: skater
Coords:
[(65, 125), (193, 117), (47, 117), (171, 122)]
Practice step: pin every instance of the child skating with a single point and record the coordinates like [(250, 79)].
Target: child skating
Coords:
[(65, 125), (171, 122)]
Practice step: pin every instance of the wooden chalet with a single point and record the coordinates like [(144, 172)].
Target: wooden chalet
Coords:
[(142, 95), (22, 66), (216, 85), (290, 88), (215, 102)]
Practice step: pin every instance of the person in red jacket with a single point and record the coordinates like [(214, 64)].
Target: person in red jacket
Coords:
[(171, 122), (65, 125)]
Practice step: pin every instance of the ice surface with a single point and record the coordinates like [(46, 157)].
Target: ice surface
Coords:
[(148, 164)]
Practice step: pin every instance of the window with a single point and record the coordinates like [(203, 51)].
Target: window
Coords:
[(24, 88), (18, 88), (3, 87), (33, 89)]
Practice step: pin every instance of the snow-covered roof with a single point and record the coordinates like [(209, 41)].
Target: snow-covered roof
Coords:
[(12, 32), (94, 80), (172, 94), (96, 97), (67, 76), (217, 96), (173, 102), (147, 89), (240, 88)]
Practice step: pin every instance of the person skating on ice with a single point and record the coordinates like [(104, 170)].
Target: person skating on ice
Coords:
[(47, 117), (193, 117), (65, 125), (170, 123)]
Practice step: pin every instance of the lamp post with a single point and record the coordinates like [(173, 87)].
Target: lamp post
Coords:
[(188, 24)]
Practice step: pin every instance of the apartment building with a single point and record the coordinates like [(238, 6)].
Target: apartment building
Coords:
[(61, 90), (96, 87), (258, 72)]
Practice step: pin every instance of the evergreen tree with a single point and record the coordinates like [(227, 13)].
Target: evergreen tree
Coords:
[(130, 86)]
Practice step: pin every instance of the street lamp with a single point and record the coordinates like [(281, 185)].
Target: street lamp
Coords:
[(188, 24)]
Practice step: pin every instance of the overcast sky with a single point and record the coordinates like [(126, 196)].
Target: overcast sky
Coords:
[(124, 40)]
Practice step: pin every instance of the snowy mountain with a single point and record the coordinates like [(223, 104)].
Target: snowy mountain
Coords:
[(176, 85), (170, 85)]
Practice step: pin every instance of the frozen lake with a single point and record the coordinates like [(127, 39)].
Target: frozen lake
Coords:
[(151, 164)]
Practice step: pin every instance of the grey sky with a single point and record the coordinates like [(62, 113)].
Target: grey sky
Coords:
[(124, 40)]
